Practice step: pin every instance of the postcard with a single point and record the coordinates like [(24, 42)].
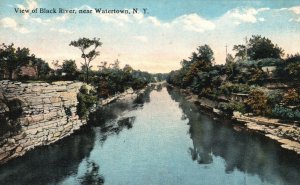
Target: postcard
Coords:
[(141, 92)]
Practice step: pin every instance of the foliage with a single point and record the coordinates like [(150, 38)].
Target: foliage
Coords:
[(258, 48), (274, 97), (197, 72), (243, 74), (285, 113), (289, 68), (262, 47), (88, 54), (43, 68), (240, 51), (258, 102), (85, 101), (11, 59), (228, 88), (232, 106), (69, 67), (291, 97), (111, 79)]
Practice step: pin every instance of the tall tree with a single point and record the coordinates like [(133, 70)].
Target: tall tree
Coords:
[(88, 49), (240, 51), (262, 47), (258, 48)]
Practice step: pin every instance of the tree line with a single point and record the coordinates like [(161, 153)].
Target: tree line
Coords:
[(254, 66), (108, 79)]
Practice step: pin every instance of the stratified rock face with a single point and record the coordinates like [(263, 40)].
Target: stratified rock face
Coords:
[(44, 113)]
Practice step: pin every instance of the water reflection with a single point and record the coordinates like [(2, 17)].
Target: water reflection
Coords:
[(92, 175), (49, 164), (248, 152), (110, 119), (163, 141), (112, 111)]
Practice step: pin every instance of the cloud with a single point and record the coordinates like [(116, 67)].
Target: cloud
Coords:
[(62, 18), (8, 22), (248, 15), (141, 38), (31, 4), (61, 30), (295, 9), (193, 22)]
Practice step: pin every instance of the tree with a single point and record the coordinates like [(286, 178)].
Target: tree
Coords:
[(42, 67), (11, 58), (205, 55), (88, 51), (258, 48), (262, 47), (240, 51), (70, 68), (229, 64)]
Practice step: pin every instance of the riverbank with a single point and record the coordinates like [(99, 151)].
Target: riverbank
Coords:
[(42, 114), (36, 114), (288, 135)]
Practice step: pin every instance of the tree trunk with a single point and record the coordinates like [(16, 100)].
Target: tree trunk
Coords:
[(87, 75)]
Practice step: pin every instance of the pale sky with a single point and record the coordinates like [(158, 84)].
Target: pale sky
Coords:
[(156, 41)]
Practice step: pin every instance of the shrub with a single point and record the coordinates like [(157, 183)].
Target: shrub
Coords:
[(228, 108), (258, 102), (274, 97), (291, 97), (85, 101), (228, 88), (285, 113)]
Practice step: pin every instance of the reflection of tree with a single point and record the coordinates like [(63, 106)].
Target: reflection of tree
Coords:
[(159, 87), (247, 152), (143, 97), (200, 156), (50, 164), (92, 177), (115, 127), (111, 111), (107, 117)]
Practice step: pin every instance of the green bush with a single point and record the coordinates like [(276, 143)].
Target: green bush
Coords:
[(285, 113), (228, 88), (274, 97), (85, 101), (228, 108)]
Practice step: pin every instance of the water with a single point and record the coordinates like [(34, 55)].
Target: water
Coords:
[(162, 139)]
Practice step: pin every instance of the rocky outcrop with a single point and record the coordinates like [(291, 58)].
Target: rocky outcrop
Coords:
[(286, 134), (41, 113), (127, 96)]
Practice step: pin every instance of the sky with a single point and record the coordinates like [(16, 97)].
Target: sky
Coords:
[(155, 41)]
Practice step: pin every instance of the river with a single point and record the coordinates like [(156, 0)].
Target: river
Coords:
[(160, 139)]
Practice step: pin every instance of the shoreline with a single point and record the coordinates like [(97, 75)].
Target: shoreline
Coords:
[(33, 131), (287, 135)]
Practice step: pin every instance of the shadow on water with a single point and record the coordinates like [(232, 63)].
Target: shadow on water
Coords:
[(49, 164), (248, 152), (91, 176), (109, 118)]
